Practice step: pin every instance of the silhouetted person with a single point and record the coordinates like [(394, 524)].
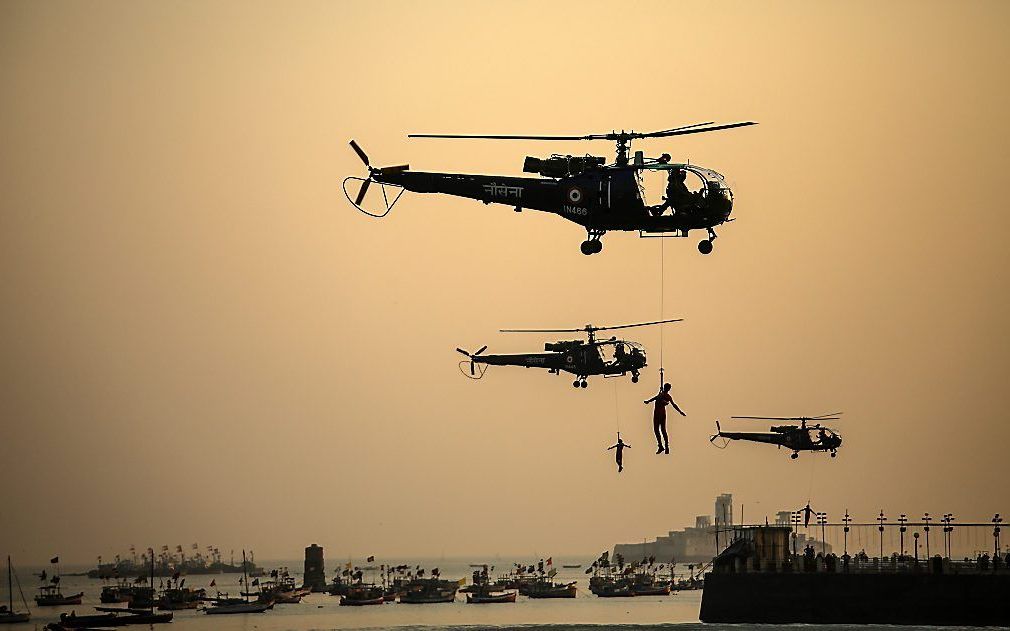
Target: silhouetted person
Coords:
[(619, 455), (659, 417), (821, 436), (807, 512), (677, 192)]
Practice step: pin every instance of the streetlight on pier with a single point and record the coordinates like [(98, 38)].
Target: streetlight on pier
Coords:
[(880, 528), (822, 519), (846, 520), (926, 519), (996, 521), (901, 520), (947, 530), (915, 535)]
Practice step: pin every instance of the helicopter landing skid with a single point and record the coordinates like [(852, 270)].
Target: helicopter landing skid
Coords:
[(385, 197), (479, 370)]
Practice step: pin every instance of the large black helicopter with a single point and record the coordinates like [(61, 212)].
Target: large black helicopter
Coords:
[(610, 357), (799, 438), (582, 189)]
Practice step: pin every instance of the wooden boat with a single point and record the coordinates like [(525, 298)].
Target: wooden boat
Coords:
[(241, 607), (426, 591), (50, 596), (362, 595), (7, 613), (118, 593), (112, 618), (661, 588), (613, 588), (548, 589), (477, 598)]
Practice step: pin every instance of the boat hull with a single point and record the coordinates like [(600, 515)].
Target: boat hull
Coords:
[(488, 599), (243, 608), (58, 601), (361, 602), (14, 618), (567, 591)]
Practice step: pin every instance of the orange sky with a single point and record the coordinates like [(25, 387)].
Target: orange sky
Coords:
[(204, 342)]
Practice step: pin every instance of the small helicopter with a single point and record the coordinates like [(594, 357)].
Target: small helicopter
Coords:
[(582, 189), (796, 437), (583, 359)]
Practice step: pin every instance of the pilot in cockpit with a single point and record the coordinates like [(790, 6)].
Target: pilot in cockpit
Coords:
[(677, 193)]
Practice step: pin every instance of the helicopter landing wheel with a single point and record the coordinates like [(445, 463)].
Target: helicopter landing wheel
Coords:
[(591, 246), (575, 384), (583, 384), (634, 378), (705, 247), (794, 456), (834, 453)]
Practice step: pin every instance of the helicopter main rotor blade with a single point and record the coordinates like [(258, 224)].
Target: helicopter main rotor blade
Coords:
[(582, 330), (499, 137), (460, 350), (787, 418), (692, 130), (360, 152), (686, 127), (628, 326), (361, 192), (482, 349), (695, 128)]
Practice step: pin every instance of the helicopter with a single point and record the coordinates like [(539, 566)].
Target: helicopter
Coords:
[(599, 197), (610, 357), (796, 437)]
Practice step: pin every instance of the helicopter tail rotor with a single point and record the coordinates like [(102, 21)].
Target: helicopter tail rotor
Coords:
[(475, 372), (373, 172), (724, 442)]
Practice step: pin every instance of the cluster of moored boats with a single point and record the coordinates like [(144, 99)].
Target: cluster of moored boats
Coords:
[(401, 583)]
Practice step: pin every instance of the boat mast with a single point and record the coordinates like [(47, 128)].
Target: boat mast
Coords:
[(245, 577), (10, 586)]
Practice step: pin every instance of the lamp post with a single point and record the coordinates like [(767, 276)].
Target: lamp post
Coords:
[(822, 519), (995, 533), (948, 531), (926, 519), (915, 535), (845, 532), (880, 528), (901, 520)]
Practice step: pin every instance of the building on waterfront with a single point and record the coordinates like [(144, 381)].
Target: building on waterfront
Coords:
[(698, 544)]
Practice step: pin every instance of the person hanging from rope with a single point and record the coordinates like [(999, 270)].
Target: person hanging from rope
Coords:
[(620, 447), (659, 417)]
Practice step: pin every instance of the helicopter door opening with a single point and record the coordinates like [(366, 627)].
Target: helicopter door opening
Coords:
[(654, 186)]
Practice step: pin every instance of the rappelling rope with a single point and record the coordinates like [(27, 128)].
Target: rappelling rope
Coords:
[(662, 305), (617, 410)]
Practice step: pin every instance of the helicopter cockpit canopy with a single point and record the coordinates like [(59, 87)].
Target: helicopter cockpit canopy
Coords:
[(614, 351), (713, 182)]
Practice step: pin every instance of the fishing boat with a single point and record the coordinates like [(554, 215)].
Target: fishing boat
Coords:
[(550, 589), (611, 586), (180, 597), (50, 596), (422, 591), (7, 614), (363, 594), (483, 597), (237, 605), (113, 618)]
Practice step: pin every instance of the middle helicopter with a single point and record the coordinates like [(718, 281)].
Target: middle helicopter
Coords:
[(610, 357)]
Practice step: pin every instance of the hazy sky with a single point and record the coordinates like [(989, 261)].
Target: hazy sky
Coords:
[(203, 342)]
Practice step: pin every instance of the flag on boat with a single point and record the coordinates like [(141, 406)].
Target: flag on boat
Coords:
[(54, 560), (550, 560), (256, 581), (370, 559), (213, 582), (461, 582), (348, 565)]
